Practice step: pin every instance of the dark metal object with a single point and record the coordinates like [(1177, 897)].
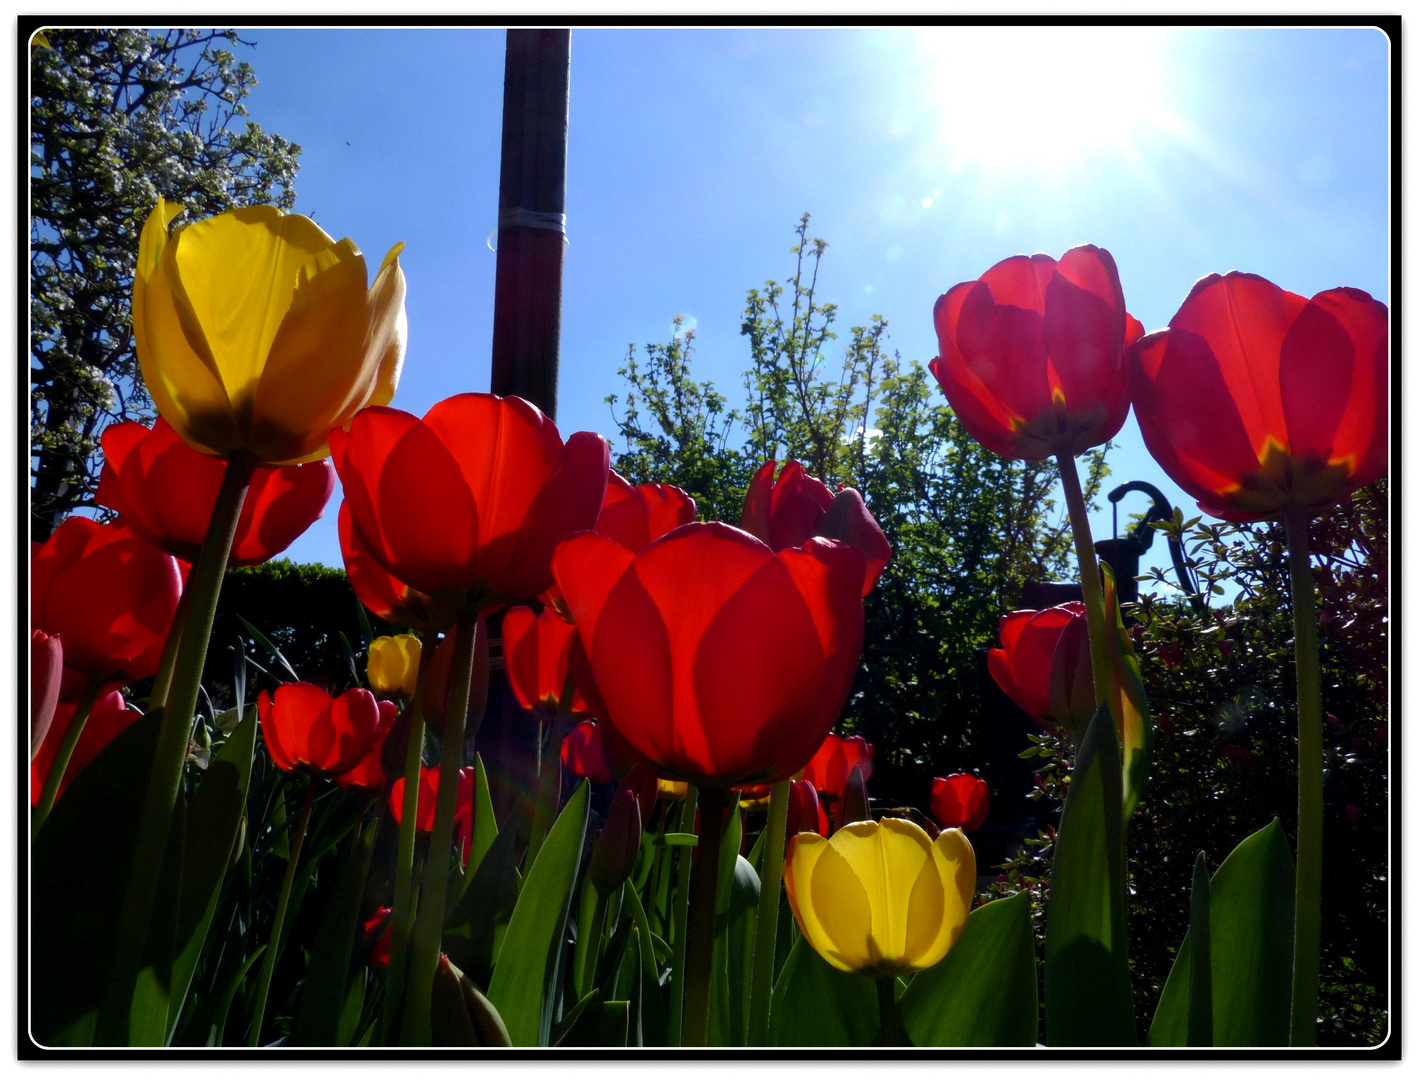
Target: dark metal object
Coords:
[(1140, 539), (527, 299)]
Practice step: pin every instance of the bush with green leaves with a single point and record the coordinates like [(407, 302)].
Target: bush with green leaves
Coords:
[(1222, 693), (968, 528)]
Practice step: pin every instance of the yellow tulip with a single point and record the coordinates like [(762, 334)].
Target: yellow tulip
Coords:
[(671, 789), (393, 667), (257, 332), (881, 898)]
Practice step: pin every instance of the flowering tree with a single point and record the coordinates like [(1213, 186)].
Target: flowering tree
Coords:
[(117, 118)]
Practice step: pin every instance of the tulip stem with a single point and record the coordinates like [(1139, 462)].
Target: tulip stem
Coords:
[(681, 917), (1088, 576), (887, 1006), (165, 779), (57, 767), (549, 779), (1305, 969), (766, 933), (273, 943), (699, 929), (428, 924), (401, 919), (162, 681)]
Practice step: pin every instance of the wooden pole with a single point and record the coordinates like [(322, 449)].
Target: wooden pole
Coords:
[(527, 300)]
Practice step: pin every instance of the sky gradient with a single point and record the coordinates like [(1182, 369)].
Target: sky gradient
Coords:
[(924, 156)]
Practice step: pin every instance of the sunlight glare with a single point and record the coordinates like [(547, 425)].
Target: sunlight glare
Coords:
[(1041, 95)]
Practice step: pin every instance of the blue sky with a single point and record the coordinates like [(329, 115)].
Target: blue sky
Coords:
[(924, 156)]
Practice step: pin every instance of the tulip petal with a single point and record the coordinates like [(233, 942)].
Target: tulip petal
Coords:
[(235, 276), (354, 721), (1084, 328), (824, 573), (280, 505), (587, 566), (634, 516), (974, 404), (1190, 422), (398, 480), (388, 334), (178, 370), (1244, 320), (843, 908), (758, 500), (318, 370), (1330, 381)]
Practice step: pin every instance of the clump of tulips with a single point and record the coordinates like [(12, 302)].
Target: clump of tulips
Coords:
[(693, 858)]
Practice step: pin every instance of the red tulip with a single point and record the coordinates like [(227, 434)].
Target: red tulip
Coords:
[(1023, 666), (108, 716), (1032, 354), (719, 661), (537, 650), (787, 512), (427, 804), (582, 753), (828, 770), (109, 594), (380, 933), (959, 801), (382, 592), (1255, 399), (805, 812), (166, 491), (634, 516), (471, 500), (46, 675), (368, 772), (305, 728)]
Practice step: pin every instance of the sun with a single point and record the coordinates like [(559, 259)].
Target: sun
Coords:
[(1041, 95)]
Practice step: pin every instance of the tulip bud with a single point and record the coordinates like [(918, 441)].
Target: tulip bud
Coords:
[(614, 856), (46, 673), (459, 1014), (805, 812), (645, 785), (393, 667), (853, 805)]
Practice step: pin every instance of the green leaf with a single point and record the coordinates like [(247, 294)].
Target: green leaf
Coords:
[(1251, 917), (649, 1001), (148, 1010), (985, 992), (221, 1001), (1129, 700), (815, 1004), (1199, 928), (266, 643), (485, 822), (78, 871), (598, 1023), (680, 839), (533, 940), (325, 994), (1088, 997), (213, 823), (735, 926), (489, 896)]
